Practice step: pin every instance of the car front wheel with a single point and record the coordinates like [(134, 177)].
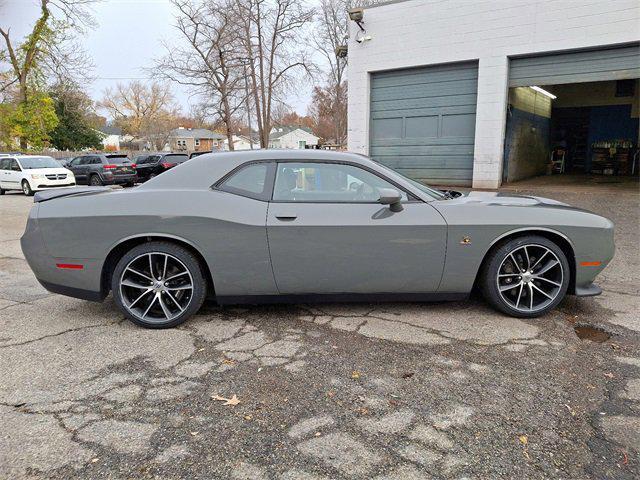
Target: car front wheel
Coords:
[(526, 276), (158, 285), (26, 188)]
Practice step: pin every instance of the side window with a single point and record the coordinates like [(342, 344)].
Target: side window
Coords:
[(250, 181), (84, 161), (15, 166), (328, 182), (95, 161), (4, 164), (75, 161)]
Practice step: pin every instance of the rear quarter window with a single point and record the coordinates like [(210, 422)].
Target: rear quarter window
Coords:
[(253, 181)]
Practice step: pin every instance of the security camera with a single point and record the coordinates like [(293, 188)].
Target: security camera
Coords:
[(342, 51), (360, 38), (356, 14)]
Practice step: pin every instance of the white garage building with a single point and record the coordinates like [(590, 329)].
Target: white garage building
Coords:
[(441, 84)]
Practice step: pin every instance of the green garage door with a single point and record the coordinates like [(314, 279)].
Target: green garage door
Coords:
[(611, 63), (423, 122)]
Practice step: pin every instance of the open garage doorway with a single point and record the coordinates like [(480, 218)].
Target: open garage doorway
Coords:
[(574, 114)]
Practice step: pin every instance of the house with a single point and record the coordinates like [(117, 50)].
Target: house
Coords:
[(476, 93), (242, 142), (194, 140), (111, 137), (291, 136)]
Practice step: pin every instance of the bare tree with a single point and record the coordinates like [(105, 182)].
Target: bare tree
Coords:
[(46, 49), (47, 46), (144, 111), (208, 59), (331, 30), (272, 37)]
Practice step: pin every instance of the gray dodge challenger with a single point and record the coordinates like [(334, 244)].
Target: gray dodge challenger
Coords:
[(300, 226)]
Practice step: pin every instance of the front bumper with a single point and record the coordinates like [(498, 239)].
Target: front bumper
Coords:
[(41, 186)]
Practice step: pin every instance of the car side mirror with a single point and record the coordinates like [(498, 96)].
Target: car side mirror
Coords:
[(391, 197)]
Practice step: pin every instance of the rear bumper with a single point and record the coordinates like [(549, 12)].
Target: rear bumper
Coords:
[(589, 290), (51, 271), (73, 291), (120, 179)]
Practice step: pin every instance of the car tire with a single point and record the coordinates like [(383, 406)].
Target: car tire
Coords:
[(2, 191), (526, 276), (167, 303), (26, 188), (128, 185), (95, 180)]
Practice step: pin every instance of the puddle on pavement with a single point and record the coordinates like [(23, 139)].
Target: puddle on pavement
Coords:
[(589, 332)]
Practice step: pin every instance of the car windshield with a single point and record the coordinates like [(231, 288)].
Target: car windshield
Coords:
[(175, 158), (437, 194), (38, 162)]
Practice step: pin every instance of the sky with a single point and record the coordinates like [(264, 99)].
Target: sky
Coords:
[(125, 41)]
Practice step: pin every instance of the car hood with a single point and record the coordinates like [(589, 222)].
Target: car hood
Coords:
[(47, 171), (504, 199)]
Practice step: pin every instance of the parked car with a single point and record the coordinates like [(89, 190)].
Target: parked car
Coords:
[(300, 225), (197, 154), (154, 164), (104, 169), (64, 161), (31, 173)]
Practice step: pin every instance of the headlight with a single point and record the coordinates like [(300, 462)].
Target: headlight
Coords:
[(36, 176)]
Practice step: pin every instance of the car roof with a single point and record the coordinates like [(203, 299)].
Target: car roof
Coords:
[(202, 172), (18, 157)]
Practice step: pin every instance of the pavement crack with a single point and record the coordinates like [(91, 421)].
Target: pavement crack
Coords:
[(54, 335)]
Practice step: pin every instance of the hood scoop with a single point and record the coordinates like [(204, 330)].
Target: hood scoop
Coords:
[(505, 199)]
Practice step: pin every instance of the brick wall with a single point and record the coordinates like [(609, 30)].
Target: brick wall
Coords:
[(423, 32)]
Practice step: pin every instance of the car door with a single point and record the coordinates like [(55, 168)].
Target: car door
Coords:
[(4, 173), (76, 167), (328, 233), (14, 177)]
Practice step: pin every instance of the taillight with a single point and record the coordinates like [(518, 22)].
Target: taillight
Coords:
[(168, 165), (110, 167), (133, 165)]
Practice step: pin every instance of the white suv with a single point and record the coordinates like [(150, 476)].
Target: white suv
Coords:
[(30, 173)]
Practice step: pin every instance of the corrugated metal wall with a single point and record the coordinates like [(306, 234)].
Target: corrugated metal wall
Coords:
[(619, 63), (423, 122)]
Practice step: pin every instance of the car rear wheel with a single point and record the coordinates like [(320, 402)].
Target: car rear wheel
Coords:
[(158, 285), (26, 188), (526, 277), (95, 181), (1, 191)]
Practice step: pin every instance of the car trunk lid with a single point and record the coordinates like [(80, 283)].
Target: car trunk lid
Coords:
[(47, 195)]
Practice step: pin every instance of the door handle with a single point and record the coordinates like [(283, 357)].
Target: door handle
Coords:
[(287, 217)]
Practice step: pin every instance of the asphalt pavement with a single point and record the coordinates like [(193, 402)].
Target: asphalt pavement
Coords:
[(387, 391)]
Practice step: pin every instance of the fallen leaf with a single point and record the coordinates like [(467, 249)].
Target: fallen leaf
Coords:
[(355, 374), (408, 374), (608, 375), (193, 434), (625, 460), (247, 417), (233, 401), (523, 439), (318, 434), (228, 361), (94, 460)]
